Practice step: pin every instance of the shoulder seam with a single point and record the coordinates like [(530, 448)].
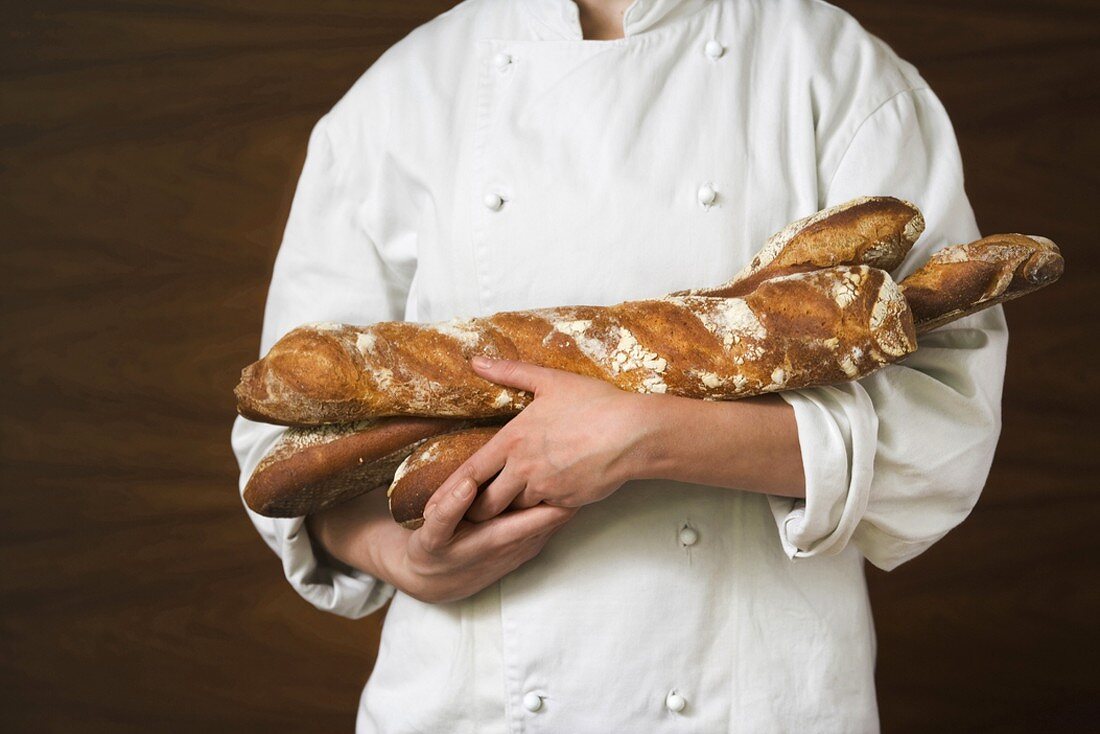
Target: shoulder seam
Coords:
[(855, 133)]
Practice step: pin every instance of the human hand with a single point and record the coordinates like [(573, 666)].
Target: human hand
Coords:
[(575, 443), (447, 558)]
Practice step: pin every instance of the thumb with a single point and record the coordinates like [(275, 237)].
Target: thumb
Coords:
[(513, 373)]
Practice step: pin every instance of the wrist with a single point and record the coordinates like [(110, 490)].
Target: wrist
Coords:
[(342, 534), (319, 529), (647, 424)]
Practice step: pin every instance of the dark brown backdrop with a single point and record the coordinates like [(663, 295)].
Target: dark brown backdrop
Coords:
[(149, 151)]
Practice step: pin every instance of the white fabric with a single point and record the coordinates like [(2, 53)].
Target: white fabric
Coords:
[(597, 151)]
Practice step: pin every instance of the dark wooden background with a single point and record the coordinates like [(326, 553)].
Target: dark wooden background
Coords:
[(148, 152)]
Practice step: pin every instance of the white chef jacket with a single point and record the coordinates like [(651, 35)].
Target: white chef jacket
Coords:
[(495, 160)]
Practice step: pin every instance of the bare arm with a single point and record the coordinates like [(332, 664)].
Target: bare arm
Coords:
[(749, 444), (581, 439)]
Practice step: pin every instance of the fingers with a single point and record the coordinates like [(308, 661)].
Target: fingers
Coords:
[(513, 527), (442, 516), (514, 373), (481, 467), (497, 496), (523, 500)]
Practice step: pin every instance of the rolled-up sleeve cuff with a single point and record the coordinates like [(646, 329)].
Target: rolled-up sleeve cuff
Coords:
[(322, 582), (344, 591), (837, 434)]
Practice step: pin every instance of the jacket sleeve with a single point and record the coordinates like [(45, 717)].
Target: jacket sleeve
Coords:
[(894, 461), (329, 268)]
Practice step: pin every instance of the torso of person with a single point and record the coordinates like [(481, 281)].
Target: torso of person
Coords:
[(542, 169)]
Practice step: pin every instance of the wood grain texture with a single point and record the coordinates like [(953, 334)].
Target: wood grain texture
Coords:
[(148, 152)]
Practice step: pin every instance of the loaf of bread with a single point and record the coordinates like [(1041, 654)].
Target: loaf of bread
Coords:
[(963, 279), (310, 469), (428, 466), (793, 331), (874, 230), (809, 328)]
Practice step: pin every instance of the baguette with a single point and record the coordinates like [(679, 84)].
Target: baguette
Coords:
[(310, 469), (427, 467), (825, 327), (955, 282), (874, 230), (791, 331), (963, 279)]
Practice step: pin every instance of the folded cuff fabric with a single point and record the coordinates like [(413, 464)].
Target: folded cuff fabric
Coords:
[(329, 587), (837, 429)]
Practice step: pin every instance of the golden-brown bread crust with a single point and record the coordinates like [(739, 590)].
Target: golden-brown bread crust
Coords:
[(963, 279), (427, 467), (875, 230), (791, 331), (310, 379), (306, 370), (313, 468)]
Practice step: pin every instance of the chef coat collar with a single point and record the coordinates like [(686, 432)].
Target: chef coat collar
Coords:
[(560, 19)]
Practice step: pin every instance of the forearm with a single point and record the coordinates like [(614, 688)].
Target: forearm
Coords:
[(747, 444), (350, 532)]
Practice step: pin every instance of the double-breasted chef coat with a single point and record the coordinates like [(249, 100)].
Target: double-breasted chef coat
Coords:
[(494, 160)]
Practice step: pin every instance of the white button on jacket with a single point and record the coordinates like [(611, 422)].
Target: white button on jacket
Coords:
[(602, 147), (707, 194), (532, 702)]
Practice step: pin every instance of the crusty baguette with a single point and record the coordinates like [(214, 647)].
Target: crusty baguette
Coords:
[(963, 279), (791, 331), (310, 469), (874, 230), (427, 466)]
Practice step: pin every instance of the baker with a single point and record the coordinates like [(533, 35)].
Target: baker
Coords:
[(638, 565)]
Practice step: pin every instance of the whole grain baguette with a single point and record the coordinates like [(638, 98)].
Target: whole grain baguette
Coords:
[(794, 330), (963, 279)]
